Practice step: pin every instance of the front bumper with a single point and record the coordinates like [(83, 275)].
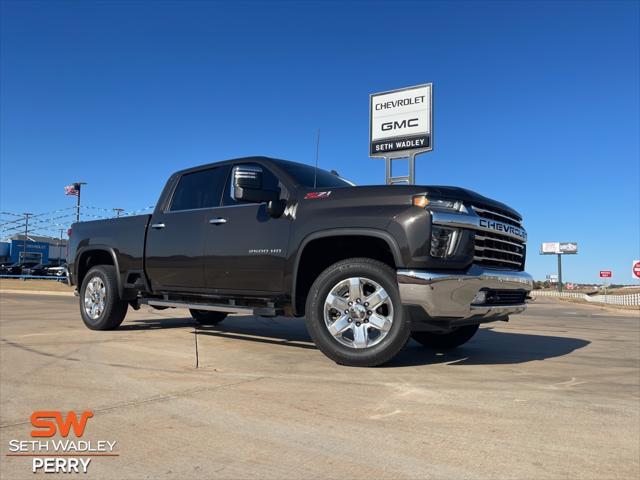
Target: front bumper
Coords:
[(450, 295)]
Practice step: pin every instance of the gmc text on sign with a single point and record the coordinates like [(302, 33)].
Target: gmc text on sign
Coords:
[(400, 121)]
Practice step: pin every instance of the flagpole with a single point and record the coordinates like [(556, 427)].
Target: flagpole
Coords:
[(78, 204), (78, 186)]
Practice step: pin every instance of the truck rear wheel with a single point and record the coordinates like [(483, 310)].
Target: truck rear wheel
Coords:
[(446, 341), (354, 313), (101, 307), (206, 317)]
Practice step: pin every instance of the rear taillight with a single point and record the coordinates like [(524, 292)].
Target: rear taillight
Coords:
[(69, 232)]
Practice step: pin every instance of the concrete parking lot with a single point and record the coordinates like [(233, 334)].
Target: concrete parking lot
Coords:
[(555, 393)]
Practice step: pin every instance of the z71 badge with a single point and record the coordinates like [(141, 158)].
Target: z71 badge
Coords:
[(317, 195)]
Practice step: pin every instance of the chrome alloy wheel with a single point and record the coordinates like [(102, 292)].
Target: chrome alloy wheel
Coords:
[(358, 312), (95, 296)]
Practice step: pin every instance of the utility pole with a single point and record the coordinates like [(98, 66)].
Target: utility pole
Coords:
[(26, 232), (118, 211)]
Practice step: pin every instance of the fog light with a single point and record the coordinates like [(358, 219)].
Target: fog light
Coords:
[(443, 241), (480, 298)]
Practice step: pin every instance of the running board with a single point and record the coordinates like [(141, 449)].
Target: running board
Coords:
[(262, 311)]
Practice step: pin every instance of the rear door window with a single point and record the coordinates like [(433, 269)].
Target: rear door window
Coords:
[(201, 189)]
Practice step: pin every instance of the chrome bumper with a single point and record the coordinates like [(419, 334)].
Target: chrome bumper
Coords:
[(449, 295)]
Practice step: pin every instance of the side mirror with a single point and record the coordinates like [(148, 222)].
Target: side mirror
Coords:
[(248, 185)]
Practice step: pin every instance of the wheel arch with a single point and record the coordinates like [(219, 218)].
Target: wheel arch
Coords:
[(94, 255), (299, 290)]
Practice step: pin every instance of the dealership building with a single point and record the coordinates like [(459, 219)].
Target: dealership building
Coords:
[(39, 249)]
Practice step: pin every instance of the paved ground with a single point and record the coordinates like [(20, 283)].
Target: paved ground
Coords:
[(554, 394)]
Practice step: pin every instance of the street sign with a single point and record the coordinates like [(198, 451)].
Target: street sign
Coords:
[(635, 269), (400, 122), (606, 274)]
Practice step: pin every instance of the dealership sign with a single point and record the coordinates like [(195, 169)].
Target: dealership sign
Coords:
[(400, 121), (635, 269), (606, 274), (552, 248)]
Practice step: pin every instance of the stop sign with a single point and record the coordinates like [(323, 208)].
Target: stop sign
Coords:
[(635, 269)]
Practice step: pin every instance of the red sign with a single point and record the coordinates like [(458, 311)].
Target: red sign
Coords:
[(606, 274), (636, 269)]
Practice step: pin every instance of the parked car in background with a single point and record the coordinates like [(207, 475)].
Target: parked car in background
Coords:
[(38, 270), (60, 271), (15, 268)]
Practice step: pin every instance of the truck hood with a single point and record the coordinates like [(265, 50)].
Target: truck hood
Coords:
[(395, 194)]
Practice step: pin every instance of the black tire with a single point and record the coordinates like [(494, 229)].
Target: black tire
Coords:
[(205, 317), (389, 346), (446, 341), (114, 310)]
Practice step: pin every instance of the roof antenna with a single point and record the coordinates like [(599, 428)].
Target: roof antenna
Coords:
[(315, 172)]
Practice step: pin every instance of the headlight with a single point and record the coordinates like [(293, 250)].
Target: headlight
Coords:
[(438, 203)]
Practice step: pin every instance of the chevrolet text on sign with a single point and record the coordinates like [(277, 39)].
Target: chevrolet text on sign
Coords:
[(400, 120)]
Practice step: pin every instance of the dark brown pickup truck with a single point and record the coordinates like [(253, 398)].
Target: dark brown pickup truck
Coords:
[(367, 266)]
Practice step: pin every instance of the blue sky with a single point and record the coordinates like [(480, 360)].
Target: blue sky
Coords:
[(535, 103)]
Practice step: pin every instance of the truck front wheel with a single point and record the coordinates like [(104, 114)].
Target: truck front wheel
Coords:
[(205, 317), (446, 341), (354, 313), (100, 304)]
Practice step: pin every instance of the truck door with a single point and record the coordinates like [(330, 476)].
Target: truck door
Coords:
[(246, 248), (176, 234)]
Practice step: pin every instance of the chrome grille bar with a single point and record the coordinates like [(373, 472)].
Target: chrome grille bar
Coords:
[(483, 260), (480, 211), (499, 250)]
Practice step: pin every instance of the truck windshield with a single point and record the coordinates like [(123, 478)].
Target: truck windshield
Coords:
[(305, 175)]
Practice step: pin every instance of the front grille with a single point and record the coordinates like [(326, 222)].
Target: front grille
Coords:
[(505, 297), (496, 250), (499, 215)]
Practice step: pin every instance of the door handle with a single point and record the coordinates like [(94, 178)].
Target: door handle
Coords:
[(218, 221), (158, 225)]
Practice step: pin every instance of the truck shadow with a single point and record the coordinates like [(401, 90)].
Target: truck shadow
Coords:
[(487, 347), (492, 347)]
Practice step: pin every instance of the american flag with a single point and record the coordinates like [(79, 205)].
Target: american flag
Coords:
[(73, 189)]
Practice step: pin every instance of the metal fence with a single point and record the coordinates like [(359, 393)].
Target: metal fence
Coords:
[(630, 299), (36, 277)]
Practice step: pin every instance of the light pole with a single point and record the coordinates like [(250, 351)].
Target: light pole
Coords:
[(118, 211), (26, 232)]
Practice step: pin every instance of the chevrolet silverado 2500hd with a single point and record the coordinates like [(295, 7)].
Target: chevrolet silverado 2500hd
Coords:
[(367, 266)]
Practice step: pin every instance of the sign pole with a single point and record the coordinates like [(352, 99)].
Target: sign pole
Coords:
[(387, 161), (412, 168), (560, 272)]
